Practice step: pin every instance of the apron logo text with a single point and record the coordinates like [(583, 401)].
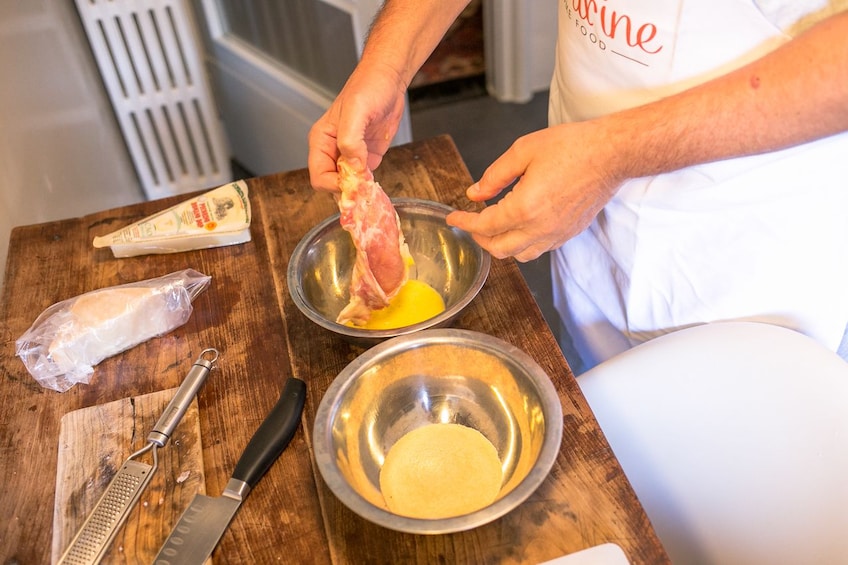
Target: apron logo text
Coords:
[(601, 23)]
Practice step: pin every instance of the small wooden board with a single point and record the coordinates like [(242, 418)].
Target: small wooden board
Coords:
[(93, 444)]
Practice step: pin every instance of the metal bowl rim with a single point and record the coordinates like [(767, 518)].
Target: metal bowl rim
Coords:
[(326, 412)]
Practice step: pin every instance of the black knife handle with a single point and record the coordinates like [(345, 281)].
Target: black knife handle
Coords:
[(273, 434)]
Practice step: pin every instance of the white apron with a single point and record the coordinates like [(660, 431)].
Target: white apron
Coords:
[(757, 238)]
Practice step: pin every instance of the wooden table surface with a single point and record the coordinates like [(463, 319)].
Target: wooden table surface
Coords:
[(248, 314)]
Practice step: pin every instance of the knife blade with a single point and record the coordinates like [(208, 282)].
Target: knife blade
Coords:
[(203, 523)]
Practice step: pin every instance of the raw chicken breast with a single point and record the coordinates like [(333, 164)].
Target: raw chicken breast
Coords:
[(382, 256)]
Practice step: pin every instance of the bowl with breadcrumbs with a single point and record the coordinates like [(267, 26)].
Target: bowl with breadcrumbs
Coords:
[(439, 431), (446, 270)]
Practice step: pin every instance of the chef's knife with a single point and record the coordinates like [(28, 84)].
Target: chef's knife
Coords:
[(205, 520)]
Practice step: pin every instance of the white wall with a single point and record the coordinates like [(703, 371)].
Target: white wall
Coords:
[(543, 37), (61, 152), (520, 41)]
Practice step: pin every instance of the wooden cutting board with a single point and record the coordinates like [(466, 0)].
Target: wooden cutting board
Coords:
[(93, 444)]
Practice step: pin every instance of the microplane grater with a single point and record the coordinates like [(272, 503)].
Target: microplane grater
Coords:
[(95, 536)]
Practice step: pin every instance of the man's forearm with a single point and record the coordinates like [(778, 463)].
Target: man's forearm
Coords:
[(795, 94), (406, 32)]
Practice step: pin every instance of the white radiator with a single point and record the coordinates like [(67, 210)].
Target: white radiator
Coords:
[(149, 56)]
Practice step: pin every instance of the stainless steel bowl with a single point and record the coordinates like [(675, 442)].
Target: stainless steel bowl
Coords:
[(446, 258), (436, 376)]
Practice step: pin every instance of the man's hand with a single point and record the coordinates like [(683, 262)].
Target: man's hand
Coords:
[(359, 125), (565, 175), (365, 116)]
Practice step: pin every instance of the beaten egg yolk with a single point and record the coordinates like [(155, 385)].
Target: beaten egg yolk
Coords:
[(415, 302)]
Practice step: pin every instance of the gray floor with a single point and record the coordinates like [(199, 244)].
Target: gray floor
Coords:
[(482, 129)]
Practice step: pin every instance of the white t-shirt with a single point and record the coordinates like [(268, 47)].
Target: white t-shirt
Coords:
[(757, 238)]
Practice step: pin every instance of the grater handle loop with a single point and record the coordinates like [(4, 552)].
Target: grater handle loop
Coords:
[(182, 399)]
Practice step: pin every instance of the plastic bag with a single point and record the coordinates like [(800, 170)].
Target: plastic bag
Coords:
[(70, 337)]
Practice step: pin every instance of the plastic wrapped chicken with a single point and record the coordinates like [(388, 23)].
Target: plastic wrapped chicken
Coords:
[(70, 337)]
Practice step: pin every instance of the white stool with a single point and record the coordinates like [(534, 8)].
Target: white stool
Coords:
[(735, 438)]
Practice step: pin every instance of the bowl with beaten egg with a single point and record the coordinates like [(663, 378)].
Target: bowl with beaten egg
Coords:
[(448, 269), (439, 431)]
